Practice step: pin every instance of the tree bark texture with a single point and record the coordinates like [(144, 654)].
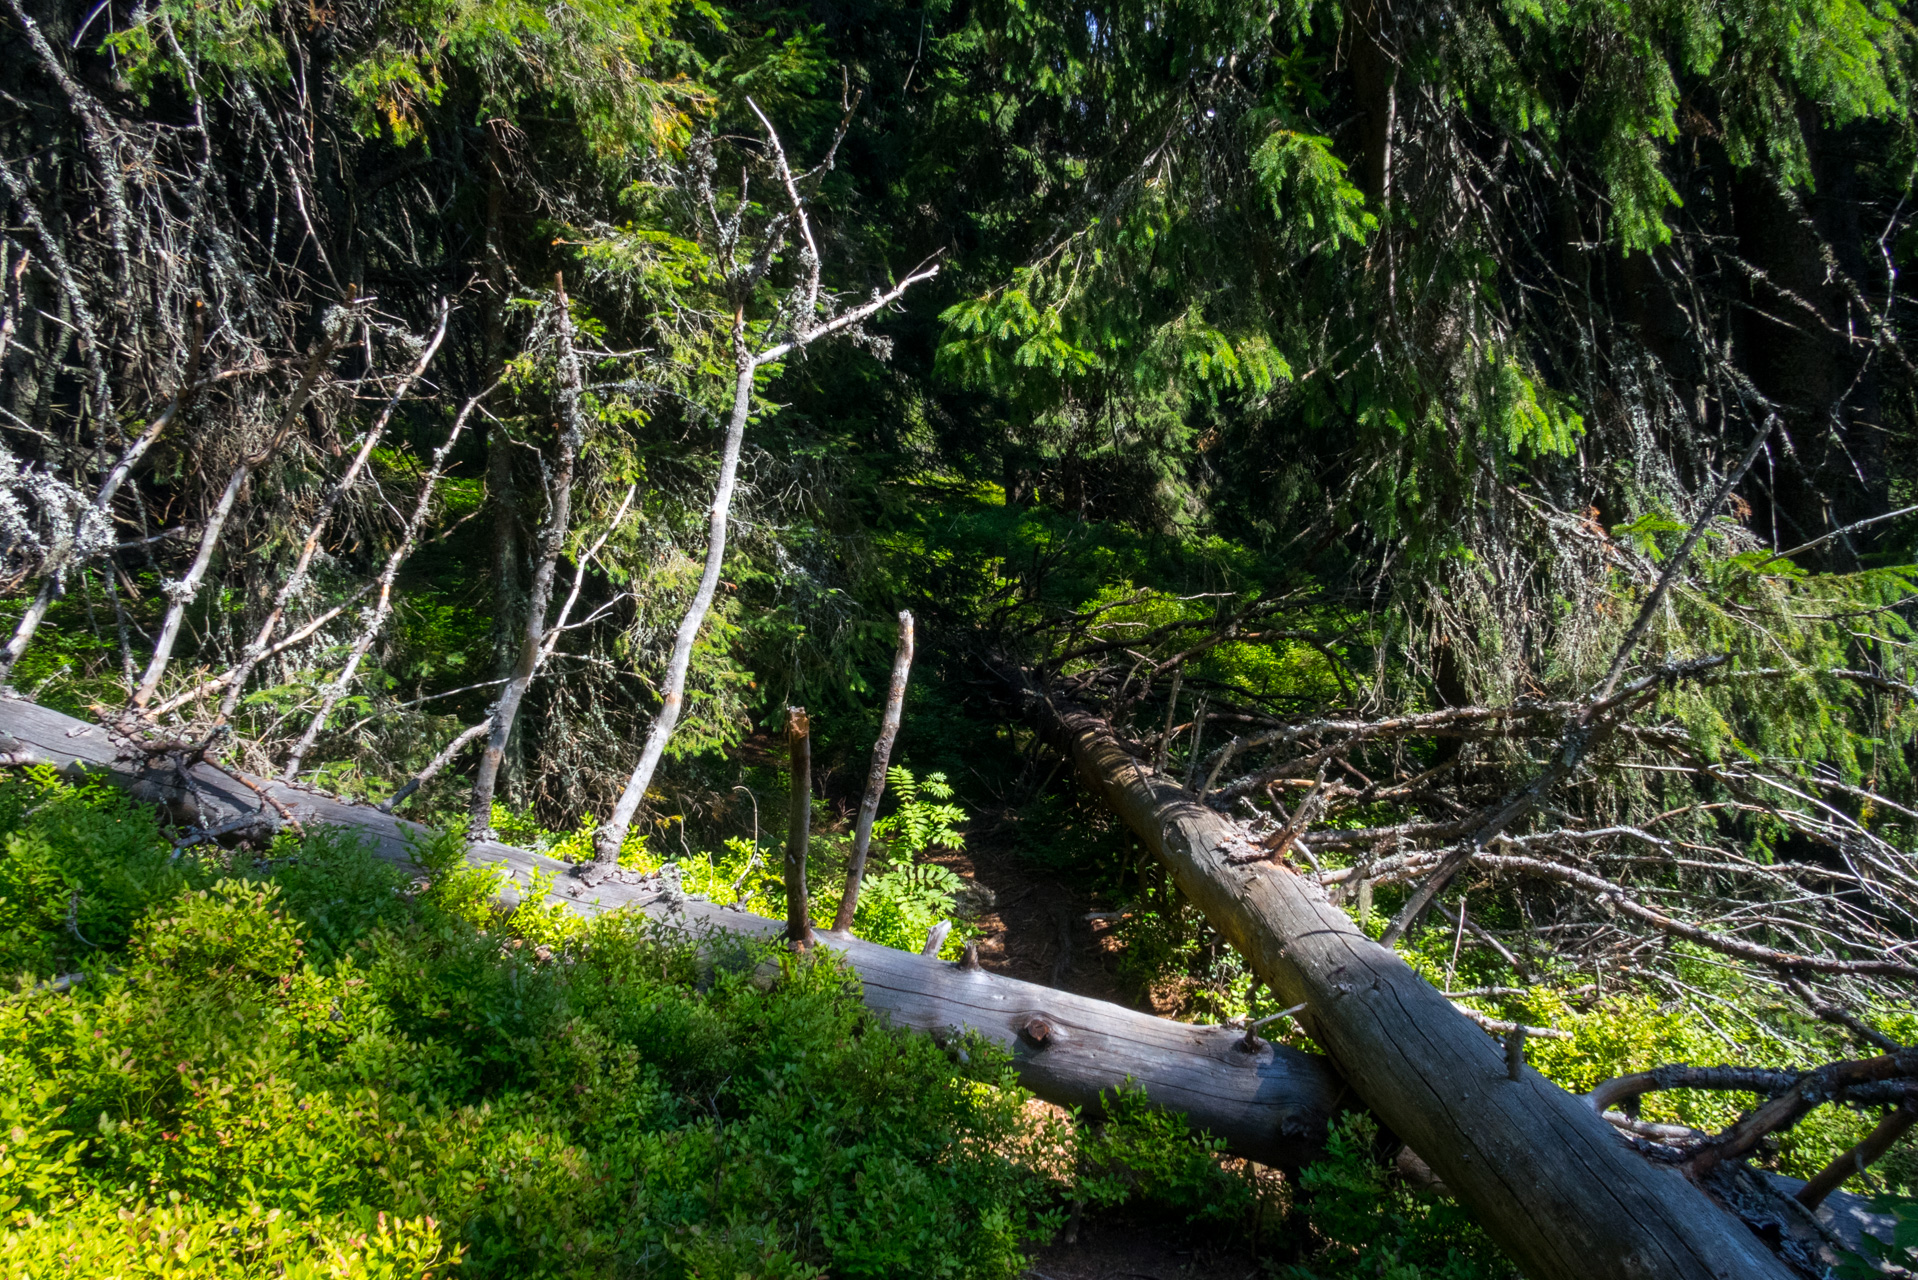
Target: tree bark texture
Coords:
[(876, 776), (1549, 1179), (1270, 1104)]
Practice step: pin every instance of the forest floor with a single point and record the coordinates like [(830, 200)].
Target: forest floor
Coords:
[(1037, 931), (1112, 1249)]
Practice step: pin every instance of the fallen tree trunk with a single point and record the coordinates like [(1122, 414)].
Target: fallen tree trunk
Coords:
[(1552, 1183), (1271, 1104)]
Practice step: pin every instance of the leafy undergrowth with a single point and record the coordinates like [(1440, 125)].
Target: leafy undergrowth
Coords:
[(900, 898), (1604, 1025), (311, 1065)]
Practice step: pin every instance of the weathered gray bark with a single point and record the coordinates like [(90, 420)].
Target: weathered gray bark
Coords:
[(1548, 1178), (1271, 1104), (876, 775)]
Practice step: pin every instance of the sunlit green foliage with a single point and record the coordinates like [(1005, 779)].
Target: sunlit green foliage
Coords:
[(596, 57), (900, 899), (264, 1067), (1373, 1227), (1615, 1030), (320, 1063)]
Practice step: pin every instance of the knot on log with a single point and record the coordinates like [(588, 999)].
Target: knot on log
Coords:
[(1037, 1030)]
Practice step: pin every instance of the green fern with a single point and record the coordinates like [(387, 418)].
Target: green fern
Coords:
[(925, 817)]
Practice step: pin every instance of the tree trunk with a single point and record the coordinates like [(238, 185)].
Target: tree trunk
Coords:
[(1374, 89), (613, 834), (1269, 1103), (876, 775), (1548, 1178)]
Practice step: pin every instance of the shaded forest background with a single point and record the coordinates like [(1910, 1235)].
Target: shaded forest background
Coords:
[(1343, 399)]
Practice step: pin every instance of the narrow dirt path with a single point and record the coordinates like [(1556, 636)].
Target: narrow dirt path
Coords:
[(1037, 929)]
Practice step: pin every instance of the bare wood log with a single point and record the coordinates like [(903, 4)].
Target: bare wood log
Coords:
[(1270, 1104), (798, 827), (1548, 1178), (876, 775)]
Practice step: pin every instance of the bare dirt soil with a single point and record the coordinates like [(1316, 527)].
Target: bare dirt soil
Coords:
[(1037, 930)]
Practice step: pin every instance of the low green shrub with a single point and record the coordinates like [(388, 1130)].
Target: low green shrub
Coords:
[(1364, 1223), (312, 1064), (1139, 1154), (900, 900), (322, 1063)]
